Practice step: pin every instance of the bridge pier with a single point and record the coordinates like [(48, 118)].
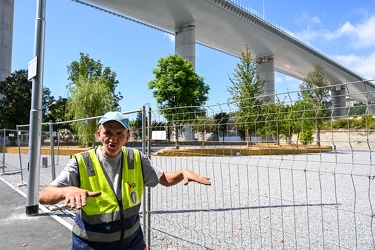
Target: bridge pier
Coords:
[(266, 71), (339, 101), (6, 37), (185, 42)]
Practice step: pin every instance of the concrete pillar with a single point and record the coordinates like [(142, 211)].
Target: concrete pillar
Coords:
[(185, 42), (266, 71), (371, 109), (6, 37), (339, 101)]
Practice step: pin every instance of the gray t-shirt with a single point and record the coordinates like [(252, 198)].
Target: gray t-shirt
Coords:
[(112, 168)]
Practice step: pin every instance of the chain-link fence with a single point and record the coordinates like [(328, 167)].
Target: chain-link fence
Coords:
[(292, 174)]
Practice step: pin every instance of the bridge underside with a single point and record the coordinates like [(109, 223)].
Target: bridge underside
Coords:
[(226, 27)]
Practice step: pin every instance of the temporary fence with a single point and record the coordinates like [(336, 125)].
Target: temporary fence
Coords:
[(293, 173), (8, 138), (272, 186)]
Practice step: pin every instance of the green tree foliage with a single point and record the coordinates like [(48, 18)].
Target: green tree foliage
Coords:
[(57, 110), (361, 122), (222, 120), (358, 109), (94, 71), (289, 122), (47, 101), (16, 102), (88, 98), (303, 118), (306, 137), (276, 122), (316, 87), (91, 93), (246, 89), (178, 90)]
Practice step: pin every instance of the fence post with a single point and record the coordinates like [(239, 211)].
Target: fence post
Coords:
[(148, 190), (4, 151), (19, 155), (145, 200), (52, 146)]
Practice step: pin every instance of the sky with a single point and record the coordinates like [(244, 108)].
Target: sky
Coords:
[(342, 30)]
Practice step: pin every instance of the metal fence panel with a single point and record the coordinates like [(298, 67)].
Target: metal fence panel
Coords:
[(272, 191), (280, 196)]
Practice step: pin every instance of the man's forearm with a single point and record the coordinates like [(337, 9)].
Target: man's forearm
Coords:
[(171, 178), (51, 195)]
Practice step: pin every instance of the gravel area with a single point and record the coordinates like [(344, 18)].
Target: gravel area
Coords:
[(309, 201)]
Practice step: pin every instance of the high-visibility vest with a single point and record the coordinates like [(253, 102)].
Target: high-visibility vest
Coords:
[(106, 219)]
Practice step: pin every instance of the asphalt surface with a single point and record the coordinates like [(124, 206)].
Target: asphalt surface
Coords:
[(21, 231)]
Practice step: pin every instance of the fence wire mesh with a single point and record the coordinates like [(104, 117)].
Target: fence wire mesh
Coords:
[(295, 173)]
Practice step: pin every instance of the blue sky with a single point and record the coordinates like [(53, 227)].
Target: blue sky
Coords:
[(343, 30)]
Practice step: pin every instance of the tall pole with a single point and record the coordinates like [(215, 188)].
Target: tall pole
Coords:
[(263, 10), (32, 203)]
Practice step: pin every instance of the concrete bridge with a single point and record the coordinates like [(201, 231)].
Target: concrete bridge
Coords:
[(228, 27)]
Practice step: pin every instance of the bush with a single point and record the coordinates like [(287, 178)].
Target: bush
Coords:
[(306, 137)]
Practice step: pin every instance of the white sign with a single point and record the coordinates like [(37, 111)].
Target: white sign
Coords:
[(32, 68), (11, 135), (159, 135)]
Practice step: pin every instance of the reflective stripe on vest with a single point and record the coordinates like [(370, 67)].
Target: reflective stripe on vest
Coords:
[(105, 208), (104, 237)]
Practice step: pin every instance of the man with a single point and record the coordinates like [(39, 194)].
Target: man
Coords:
[(105, 185)]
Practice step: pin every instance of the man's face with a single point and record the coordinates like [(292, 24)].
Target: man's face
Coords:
[(113, 136)]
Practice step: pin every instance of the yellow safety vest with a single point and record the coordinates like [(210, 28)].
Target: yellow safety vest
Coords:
[(107, 208)]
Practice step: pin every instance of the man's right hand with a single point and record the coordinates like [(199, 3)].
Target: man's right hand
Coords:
[(73, 196), (77, 197)]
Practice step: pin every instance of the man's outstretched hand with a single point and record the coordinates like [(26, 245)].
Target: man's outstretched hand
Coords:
[(73, 196), (77, 197), (191, 176)]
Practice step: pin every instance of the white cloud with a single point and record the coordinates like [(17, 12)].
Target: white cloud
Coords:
[(304, 18), (364, 65), (170, 37), (285, 83), (315, 20), (301, 18), (360, 36), (278, 80)]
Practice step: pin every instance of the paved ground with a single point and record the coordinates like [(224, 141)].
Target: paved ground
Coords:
[(20, 231)]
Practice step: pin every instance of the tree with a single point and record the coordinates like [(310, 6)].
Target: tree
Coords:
[(47, 101), (88, 98), (246, 91), (88, 68), (222, 120), (57, 110), (316, 87), (276, 121), (178, 90), (302, 117), (16, 102)]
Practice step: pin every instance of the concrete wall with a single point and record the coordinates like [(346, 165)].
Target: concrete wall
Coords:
[(6, 37)]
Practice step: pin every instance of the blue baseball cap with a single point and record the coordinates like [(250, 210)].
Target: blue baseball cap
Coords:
[(115, 116)]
